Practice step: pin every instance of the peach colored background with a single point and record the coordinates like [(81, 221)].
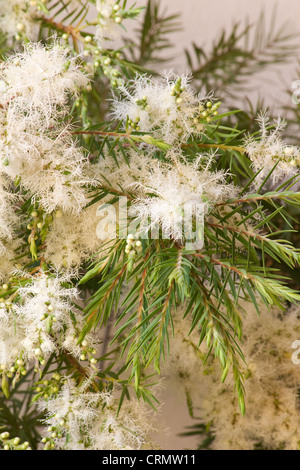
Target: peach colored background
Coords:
[(203, 20)]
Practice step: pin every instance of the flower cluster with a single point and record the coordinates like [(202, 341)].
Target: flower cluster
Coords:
[(17, 17), (53, 235), (13, 443), (172, 197), (108, 19), (37, 148), (167, 195), (167, 107), (78, 233), (270, 152), (8, 217), (84, 420), (110, 16), (9, 223), (42, 321)]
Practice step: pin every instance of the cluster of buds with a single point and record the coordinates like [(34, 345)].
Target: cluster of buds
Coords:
[(34, 226), (292, 155), (133, 247), (49, 317), (108, 69), (143, 104), (110, 12), (17, 369), (32, 6), (88, 353), (56, 431), (14, 443), (38, 226), (134, 124), (48, 388), (104, 62), (177, 89), (207, 111)]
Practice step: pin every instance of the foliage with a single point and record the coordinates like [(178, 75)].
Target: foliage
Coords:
[(90, 323)]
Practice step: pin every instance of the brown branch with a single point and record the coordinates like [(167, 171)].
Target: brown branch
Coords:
[(236, 230), (68, 29), (225, 266), (116, 191)]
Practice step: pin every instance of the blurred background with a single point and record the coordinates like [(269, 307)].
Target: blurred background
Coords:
[(247, 51)]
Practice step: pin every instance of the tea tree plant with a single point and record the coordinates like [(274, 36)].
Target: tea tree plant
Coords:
[(128, 206)]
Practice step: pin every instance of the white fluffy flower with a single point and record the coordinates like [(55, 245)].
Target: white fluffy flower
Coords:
[(122, 175), (270, 150), (40, 78), (174, 197), (168, 107), (44, 311), (91, 421), (8, 218), (43, 321), (8, 263), (37, 147), (71, 239), (9, 223), (107, 28), (18, 16), (12, 334)]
